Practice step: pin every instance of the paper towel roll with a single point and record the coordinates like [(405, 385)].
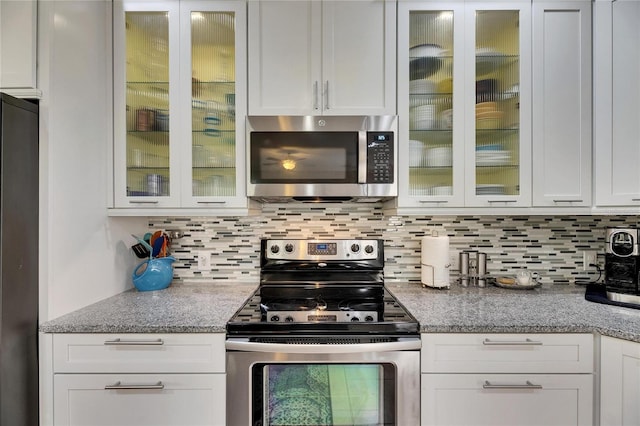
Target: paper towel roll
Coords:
[(435, 261)]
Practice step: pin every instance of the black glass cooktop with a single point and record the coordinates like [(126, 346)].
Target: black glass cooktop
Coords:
[(392, 317)]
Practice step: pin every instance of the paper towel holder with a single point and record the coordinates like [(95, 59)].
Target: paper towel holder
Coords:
[(428, 273)]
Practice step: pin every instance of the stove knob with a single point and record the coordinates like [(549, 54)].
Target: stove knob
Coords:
[(288, 319), (275, 318), (355, 248), (368, 249), (288, 248), (355, 319), (368, 318), (275, 249)]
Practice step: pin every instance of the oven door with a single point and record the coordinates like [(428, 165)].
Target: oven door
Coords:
[(323, 384)]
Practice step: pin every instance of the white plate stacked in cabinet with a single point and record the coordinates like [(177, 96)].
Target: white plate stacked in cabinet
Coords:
[(139, 379), (507, 379)]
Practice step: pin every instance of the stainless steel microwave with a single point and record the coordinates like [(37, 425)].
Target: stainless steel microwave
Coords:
[(322, 158)]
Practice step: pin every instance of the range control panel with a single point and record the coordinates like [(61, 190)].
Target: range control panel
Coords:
[(352, 249)]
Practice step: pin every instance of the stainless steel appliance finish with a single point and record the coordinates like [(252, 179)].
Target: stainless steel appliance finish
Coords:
[(623, 297), (322, 158), (622, 242), (322, 304), (18, 262), (622, 264), (400, 362)]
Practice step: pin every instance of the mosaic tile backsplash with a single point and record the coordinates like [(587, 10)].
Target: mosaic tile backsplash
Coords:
[(551, 245)]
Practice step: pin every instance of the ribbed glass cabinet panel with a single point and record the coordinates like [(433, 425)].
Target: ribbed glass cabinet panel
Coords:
[(147, 92), (213, 104), (497, 102), (430, 103)]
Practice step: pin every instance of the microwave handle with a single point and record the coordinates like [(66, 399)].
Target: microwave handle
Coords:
[(315, 95), (326, 95), (238, 344), (362, 157)]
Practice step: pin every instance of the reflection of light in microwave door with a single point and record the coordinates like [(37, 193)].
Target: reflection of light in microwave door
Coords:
[(288, 164)]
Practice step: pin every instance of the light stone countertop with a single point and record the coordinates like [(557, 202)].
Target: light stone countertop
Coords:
[(180, 308), (205, 308), (546, 309)]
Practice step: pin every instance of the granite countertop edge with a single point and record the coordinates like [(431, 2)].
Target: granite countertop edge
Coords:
[(206, 308)]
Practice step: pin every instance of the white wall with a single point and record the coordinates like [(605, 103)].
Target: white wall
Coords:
[(84, 255)]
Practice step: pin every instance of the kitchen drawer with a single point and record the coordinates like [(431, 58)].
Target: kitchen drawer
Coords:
[(139, 399), (138, 353), (507, 399), (507, 353)]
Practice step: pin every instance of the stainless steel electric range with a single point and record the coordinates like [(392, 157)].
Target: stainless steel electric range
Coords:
[(322, 335)]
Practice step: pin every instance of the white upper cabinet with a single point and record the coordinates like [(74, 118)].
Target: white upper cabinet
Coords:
[(464, 101), (617, 103), (179, 84), (313, 57), (18, 41), (562, 103)]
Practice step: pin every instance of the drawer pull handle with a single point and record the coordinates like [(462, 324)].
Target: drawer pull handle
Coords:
[(525, 342), (527, 385), (118, 341), (143, 202), (118, 386)]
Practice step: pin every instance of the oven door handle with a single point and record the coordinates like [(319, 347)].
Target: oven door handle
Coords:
[(403, 344)]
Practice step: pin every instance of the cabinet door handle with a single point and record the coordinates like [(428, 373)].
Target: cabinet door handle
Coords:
[(118, 386), (120, 342), (432, 201), (635, 199), (212, 202), (525, 342), (567, 201), (502, 201), (315, 95), (144, 202), (326, 95), (527, 385)]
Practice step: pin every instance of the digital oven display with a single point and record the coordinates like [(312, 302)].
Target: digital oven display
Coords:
[(322, 318), (315, 249)]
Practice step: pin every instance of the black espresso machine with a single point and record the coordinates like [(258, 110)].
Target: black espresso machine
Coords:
[(622, 265)]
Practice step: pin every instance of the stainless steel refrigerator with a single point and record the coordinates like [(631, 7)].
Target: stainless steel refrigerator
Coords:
[(18, 262)]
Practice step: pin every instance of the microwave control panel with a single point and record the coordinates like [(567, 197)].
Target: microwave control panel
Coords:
[(380, 157)]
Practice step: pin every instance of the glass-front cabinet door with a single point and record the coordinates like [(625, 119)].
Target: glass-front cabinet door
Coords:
[(498, 115), (145, 155), (176, 98), (462, 71), (213, 59)]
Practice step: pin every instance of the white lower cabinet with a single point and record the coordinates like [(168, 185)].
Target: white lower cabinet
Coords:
[(139, 379), (620, 382), (507, 379), (139, 399)]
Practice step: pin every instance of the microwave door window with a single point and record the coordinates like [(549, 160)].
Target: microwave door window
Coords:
[(303, 157)]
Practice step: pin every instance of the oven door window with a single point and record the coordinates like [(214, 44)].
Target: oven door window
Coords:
[(304, 157), (323, 394)]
